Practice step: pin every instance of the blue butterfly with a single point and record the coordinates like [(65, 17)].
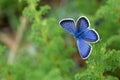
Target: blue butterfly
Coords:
[(82, 32)]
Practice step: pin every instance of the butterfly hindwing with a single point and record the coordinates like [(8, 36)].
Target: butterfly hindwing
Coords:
[(84, 48), (82, 24), (68, 25), (90, 35)]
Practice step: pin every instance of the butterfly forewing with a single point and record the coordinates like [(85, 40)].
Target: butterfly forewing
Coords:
[(68, 25), (82, 24), (84, 48), (90, 36)]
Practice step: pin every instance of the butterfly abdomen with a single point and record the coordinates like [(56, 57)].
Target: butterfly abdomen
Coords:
[(79, 35)]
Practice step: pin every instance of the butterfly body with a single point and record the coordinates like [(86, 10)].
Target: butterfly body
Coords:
[(82, 32), (79, 34)]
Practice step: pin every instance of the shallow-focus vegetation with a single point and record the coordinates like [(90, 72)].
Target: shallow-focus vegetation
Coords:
[(33, 46)]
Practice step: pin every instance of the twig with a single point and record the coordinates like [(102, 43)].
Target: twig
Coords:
[(7, 40), (16, 42)]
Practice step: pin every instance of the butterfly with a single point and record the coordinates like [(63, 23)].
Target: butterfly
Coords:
[(82, 32)]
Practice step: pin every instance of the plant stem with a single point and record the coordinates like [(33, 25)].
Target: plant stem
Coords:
[(16, 44)]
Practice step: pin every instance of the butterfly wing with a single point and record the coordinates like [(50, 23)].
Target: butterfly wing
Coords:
[(82, 24), (84, 48), (68, 25), (90, 36)]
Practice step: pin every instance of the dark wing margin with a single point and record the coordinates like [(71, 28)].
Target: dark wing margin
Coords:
[(84, 48), (69, 25)]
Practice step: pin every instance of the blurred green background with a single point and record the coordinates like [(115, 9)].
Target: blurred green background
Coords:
[(33, 46)]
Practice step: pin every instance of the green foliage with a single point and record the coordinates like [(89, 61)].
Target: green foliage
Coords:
[(104, 62), (109, 13), (48, 54), (114, 39), (53, 57), (101, 67)]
